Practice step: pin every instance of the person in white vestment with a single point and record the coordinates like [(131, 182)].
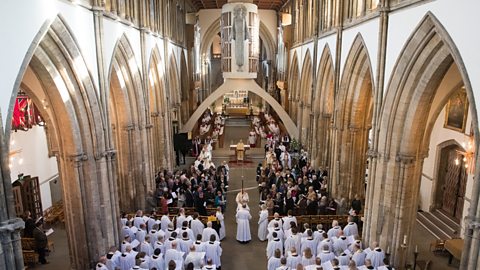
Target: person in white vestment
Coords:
[(293, 259), (358, 255), (283, 264), (156, 260), (164, 221), (242, 199), (101, 265), (309, 242), (185, 243), (199, 245), (376, 255), (274, 261), (252, 138), (209, 231), (276, 219), (308, 258), (196, 225), (326, 255), (243, 225), (113, 258), (351, 228), (173, 254), (287, 219), (263, 223), (146, 246), (180, 218), (335, 230), (293, 241), (127, 259), (209, 265), (221, 219), (340, 244), (213, 251), (343, 259), (325, 243), (273, 245), (195, 257)]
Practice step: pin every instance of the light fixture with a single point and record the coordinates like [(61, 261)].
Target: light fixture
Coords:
[(467, 155)]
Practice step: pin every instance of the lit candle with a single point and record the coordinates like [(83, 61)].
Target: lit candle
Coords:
[(388, 249), (416, 249), (405, 239)]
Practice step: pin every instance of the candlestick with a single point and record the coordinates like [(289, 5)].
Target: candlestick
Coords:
[(388, 249), (416, 249), (405, 239)]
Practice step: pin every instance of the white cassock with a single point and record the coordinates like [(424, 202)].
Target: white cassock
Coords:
[(213, 251), (252, 138), (147, 248), (140, 235), (189, 231), (197, 258), (340, 244), (113, 260), (159, 245), (309, 243), (262, 225), (207, 232), (199, 246), (185, 245), (279, 221), (175, 255), (286, 222), (343, 259), (243, 225), (273, 245), (242, 198), (273, 263), (127, 260), (293, 261), (137, 221), (318, 235), (326, 256), (286, 159), (157, 262), (180, 220), (293, 240), (279, 232), (101, 266), (221, 219), (164, 221), (209, 267), (197, 227), (324, 242), (126, 231), (359, 257), (376, 256), (308, 261), (350, 229), (333, 232)]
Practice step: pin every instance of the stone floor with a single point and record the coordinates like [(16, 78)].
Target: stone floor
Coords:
[(249, 256)]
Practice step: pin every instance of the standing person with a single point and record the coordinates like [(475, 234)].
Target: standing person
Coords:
[(41, 241), (243, 225), (263, 223), (221, 220)]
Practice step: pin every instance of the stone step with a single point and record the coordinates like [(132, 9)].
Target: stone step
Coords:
[(429, 223), (449, 225)]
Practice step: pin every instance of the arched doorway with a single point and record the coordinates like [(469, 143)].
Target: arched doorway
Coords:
[(415, 97), (76, 126), (353, 121)]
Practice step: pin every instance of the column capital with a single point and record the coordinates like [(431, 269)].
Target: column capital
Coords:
[(107, 153), (404, 158), (11, 225), (77, 158)]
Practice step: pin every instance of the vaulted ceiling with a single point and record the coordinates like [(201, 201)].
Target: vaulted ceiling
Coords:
[(262, 4)]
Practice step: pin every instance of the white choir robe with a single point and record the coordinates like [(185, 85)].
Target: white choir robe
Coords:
[(197, 258), (157, 262), (185, 245), (113, 261), (309, 243), (243, 225), (140, 235), (308, 261), (359, 257), (126, 231), (180, 219), (286, 222), (127, 261), (159, 245), (189, 231), (376, 256), (324, 242), (209, 267), (197, 227), (279, 232), (340, 244), (168, 233), (147, 248), (273, 245), (124, 245), (283, 267), (150, 223), (326, 256), (173, 254), (318, 235), (164, 221), (168, 244), (293, 241), (207, 232), (137, 221), (222, 233), (333, 232), (356, 242), (343, 259), (262, 225), (273, 263), (293, 261), (350, 229), (213, 251), (279, 221), (314, 267), (199, 246), (101, 266)]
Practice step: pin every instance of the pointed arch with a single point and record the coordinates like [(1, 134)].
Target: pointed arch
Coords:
[(127, 112), (293, 76), (305, 94), (184, 88), (412, 100), (354, 110), (75, 124), (174, 88), (324, 99)]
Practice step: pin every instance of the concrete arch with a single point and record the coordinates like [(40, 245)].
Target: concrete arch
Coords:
[(424, 61), (77, 123), (252, 86)]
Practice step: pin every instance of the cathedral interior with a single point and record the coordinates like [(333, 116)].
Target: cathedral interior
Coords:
[(101, 96)]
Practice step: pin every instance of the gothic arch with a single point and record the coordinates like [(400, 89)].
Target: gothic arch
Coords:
[(127, 111), (293, 79), (184, 88), (423, 62), (233, 84), (174, 88), (324, 98), (305, 94), (353, 109), (76, 124)]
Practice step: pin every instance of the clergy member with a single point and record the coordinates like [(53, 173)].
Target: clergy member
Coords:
[(243, 225)]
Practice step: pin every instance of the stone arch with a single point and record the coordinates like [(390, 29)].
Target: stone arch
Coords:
[(127, 113), (294, 74), (174, 89), (158, 112), (184, 88), (324, 99), (250, 85), (353, 109), (305, 93), (76, 125), (393, 186)]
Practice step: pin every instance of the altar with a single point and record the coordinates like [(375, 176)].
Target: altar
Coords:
[(240, 150)]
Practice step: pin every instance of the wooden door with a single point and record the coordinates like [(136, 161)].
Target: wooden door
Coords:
[(462, 183), (450, 190)]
